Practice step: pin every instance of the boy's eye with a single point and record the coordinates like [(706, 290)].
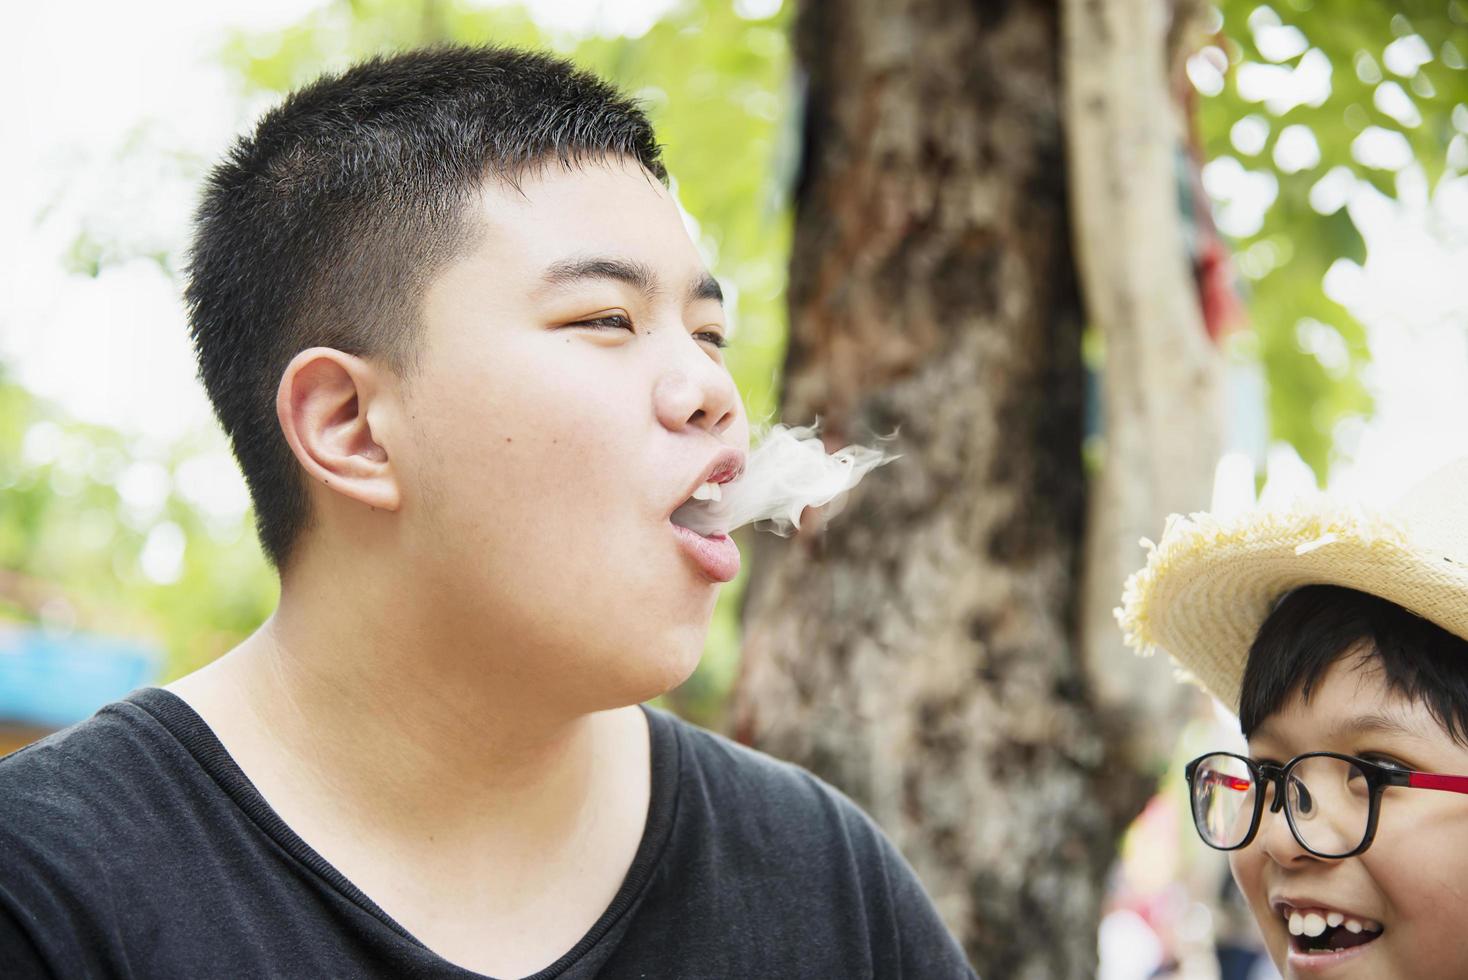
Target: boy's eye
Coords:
[(1385, 761), (615, 321), (612, 321)]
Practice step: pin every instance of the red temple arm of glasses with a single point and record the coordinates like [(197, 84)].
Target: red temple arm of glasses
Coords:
[(1428, 780)]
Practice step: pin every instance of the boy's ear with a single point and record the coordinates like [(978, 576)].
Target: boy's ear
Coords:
[(327, 404)]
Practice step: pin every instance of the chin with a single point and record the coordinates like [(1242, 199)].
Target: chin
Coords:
[(658, 669), (634, 674), (670, 671)]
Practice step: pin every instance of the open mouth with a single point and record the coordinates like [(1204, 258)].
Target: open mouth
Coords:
[(695, 514), (1322, 932), (701, 536)]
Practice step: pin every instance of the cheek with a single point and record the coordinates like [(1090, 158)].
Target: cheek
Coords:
[(535, 477), (532, 437), (1247, 867), (1419, 861), (1246, 872)]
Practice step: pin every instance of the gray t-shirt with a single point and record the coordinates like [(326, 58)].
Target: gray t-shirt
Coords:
[(132, 845)]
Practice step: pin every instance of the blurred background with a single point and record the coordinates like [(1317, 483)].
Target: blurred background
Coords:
[(1068, 256)]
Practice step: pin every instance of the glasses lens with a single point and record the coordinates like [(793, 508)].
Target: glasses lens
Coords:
[(1223, 800), (1329, 804)]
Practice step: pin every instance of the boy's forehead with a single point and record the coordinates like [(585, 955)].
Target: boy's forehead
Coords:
[(593, 203), (1351, 698), (558, 227)]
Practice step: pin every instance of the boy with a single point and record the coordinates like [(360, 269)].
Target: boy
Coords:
[(470, 362), (1341, 639)]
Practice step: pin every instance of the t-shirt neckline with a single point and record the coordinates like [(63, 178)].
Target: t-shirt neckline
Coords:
[(189, 728)]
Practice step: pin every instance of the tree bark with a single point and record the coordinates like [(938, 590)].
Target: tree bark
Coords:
[(1162, 381), (922, 653)]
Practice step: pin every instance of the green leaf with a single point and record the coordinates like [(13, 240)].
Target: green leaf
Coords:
[(1343, 237)]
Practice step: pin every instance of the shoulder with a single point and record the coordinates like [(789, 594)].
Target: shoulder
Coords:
[(84, 791), (88, 761), (78, 769), (793, 848), (772, 797), (726, 766), (79, 812)]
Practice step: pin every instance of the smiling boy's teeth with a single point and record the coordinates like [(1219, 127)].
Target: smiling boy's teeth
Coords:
[(708, 491), (1314, 923)]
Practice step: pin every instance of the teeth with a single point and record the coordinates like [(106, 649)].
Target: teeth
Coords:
[(1314, 923), (708, 491)]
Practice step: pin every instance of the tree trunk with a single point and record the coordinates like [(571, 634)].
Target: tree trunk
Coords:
[(1162, 383), (922, 653)]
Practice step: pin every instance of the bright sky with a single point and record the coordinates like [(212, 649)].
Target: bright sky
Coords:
[(102, 90)]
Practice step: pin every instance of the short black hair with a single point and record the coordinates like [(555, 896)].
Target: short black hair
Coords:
[(324, 226), (1314, 626)]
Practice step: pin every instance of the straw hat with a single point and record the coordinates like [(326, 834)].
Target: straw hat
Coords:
[(1210, 581)]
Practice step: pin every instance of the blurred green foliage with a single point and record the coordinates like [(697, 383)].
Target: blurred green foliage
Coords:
[(72, 542), (1395, 73)]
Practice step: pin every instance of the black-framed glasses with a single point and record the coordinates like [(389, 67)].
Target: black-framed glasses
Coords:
[(1330, 801)]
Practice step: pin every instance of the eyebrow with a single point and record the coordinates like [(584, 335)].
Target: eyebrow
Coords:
[(1374, 723), (1371, 723), (638, 275), (706, 287)]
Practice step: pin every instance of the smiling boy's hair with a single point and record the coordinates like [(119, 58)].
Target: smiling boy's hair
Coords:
[(1315, 626), (324, 226)]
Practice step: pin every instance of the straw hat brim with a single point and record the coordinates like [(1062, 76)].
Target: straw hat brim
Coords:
[(1208, 584)]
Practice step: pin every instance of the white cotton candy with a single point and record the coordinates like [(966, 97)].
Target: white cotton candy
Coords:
[(788, 472)]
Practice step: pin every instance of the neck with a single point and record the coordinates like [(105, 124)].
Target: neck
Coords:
[(356, 698)]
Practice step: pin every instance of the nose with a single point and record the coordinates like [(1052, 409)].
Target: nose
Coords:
[(695, 391), (1275, 836)]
